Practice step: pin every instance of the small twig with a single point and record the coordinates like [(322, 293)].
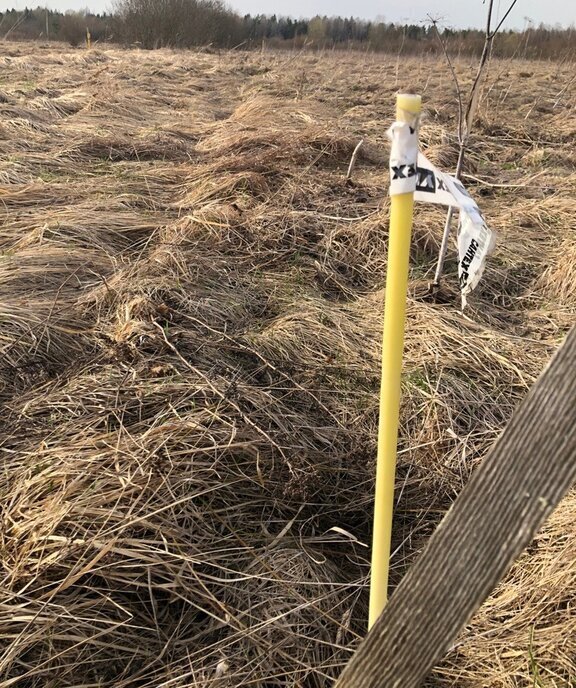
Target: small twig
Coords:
[(400, 52), (353, 159), (492, 185), (454, 77)]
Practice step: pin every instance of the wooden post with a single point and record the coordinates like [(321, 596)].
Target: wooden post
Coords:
[(523, 478)]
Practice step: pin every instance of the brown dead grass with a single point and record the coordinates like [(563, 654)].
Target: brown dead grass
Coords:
[(191, 309)]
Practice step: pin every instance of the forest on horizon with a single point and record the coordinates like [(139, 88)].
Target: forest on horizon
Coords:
[(211, 24)]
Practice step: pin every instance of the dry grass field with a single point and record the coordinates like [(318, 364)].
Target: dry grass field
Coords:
[(190, 308)]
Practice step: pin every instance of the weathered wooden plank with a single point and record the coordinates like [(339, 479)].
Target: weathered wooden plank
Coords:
[(520, 482)]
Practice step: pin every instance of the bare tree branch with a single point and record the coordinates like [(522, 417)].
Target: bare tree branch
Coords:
[(465, 129), (489, 16), (454, 77), (504, 18)]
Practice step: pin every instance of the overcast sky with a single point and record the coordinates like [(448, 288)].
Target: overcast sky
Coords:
[(457, 13)]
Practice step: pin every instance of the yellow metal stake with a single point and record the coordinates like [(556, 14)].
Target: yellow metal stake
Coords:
[(408, 108)]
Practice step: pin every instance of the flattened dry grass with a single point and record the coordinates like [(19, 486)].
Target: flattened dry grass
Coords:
[(191, 308)]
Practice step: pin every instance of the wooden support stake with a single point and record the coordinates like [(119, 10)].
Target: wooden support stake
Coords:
[(523, 478)]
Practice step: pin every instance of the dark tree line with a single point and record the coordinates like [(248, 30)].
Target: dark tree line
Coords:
[(41, 23), (192, 23)]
